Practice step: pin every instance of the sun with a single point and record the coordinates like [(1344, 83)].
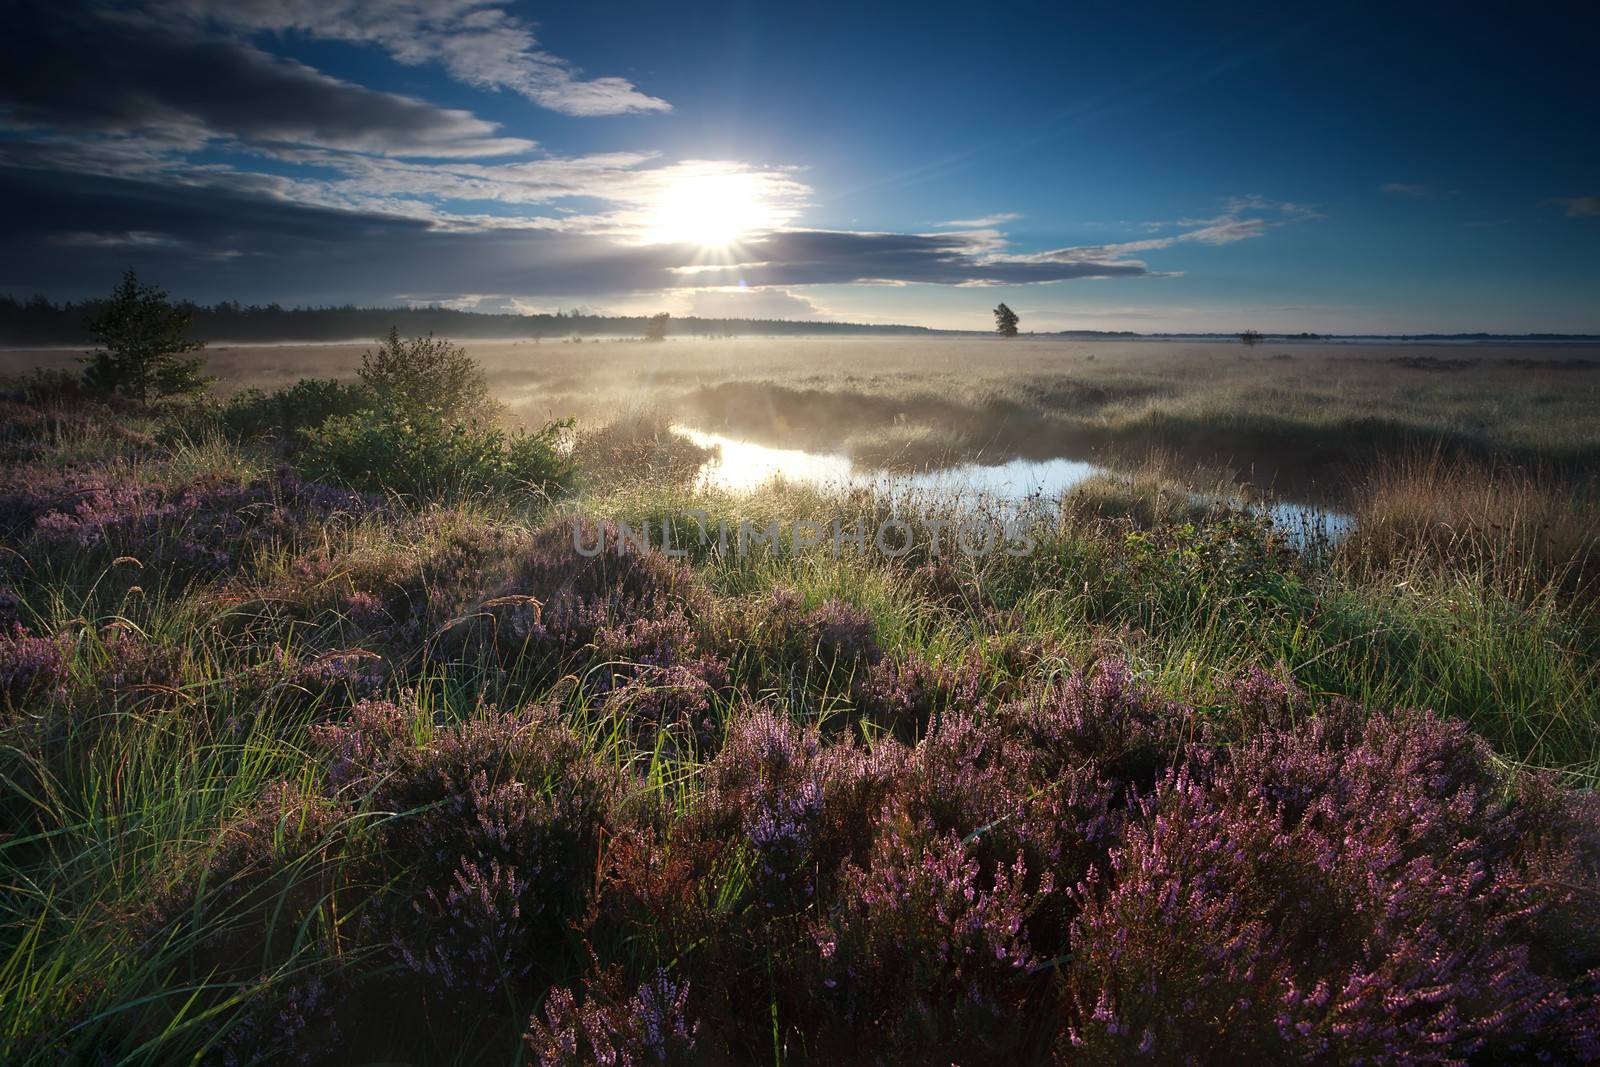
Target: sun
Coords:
[(709, 209)]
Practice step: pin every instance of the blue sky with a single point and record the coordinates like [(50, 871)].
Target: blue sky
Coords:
[(1146, 167)]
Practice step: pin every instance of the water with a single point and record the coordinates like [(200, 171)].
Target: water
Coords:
[(743, 466)]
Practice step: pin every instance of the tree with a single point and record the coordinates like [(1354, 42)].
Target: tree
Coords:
[(142, 337), (656, 328), (1005, 321), (1251, 337), (426, 377)]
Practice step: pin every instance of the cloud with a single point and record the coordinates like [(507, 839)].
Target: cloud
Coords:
[(1579, 207), (746, 303), (825, 257), (1407, 190), (65, 71), (477, 41), (1231, 226), (983, 223), (305, 252)]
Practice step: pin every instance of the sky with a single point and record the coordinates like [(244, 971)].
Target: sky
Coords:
[(1151, 167)]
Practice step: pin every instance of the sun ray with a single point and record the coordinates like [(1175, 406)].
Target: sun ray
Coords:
[(713, 210)]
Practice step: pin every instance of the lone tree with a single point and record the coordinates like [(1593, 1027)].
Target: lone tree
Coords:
[(142, 337), (1251, 337), (656, 328), (1005, 321)]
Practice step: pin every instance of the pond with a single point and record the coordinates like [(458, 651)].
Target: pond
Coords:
[(740, 466)]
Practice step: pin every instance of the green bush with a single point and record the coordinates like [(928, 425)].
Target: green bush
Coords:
[(427, 378), (429, 459), (288, 412)]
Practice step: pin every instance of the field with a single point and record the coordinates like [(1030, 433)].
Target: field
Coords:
[(326, 737), (1279, 414)]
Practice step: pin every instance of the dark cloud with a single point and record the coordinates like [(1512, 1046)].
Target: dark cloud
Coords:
[(820, 257), (71, 233), (67, 70)]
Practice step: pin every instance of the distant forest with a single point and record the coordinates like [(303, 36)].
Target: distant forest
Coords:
[(38, 321)]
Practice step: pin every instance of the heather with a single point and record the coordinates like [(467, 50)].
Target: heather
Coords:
[(299, 771)]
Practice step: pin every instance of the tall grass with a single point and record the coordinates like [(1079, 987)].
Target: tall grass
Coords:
[(1519, 530)]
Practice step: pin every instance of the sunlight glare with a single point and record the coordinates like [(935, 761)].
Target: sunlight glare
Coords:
[(712, 210)]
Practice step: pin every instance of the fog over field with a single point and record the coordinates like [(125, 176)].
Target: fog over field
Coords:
[(1301, 417)]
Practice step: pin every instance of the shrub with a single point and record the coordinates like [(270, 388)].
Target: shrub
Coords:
[(208, 525), (491, 843), (652, 1028), (558, 601), (1341, 892), (291, 411), (924, 953), (426, 379), (428, 459), (31, 668), (802, 808), (910, 696)]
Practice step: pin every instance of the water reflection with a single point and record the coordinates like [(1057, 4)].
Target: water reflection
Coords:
[(743, 466)]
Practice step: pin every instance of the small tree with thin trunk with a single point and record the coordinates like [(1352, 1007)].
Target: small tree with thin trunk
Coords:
[(1251, 337), (143, 337), (1005, 321), (656, 328)]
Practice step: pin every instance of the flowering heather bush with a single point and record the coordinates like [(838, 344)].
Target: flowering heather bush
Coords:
[(802, 807), (350, 673), (649, 642), (777, 642), (360, 746), (842, 633), (1130, 734), (493, 845), (32, 669), (431, 569), (294, 1021), (1005, 797), (922, 951), (239, 913), (910, 695), (365, 610), (679, 701), (559, 601), (130, 667), (1353, 894), (651, 1028), (209, 525)]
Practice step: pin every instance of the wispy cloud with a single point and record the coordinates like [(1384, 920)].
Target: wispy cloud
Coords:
[(1408, 190), (478, 42), (1579, 207), (1244, 218), (981, 223)]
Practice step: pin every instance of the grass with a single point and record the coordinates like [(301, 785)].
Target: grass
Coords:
[(1293, 417), (182, 700)]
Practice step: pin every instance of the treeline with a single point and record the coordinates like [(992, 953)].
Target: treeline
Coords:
[(39, 321)]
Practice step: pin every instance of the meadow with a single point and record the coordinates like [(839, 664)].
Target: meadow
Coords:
[(321, 740)]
